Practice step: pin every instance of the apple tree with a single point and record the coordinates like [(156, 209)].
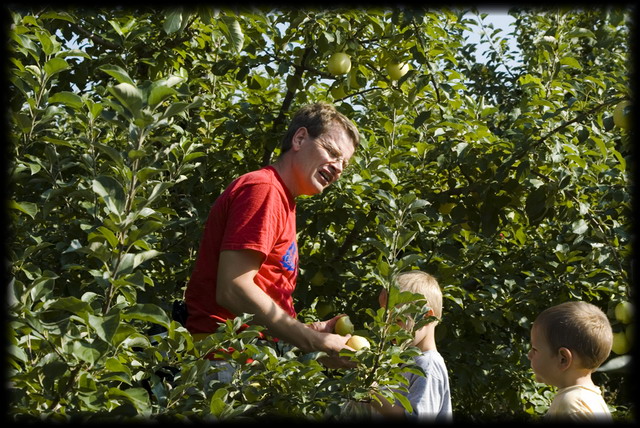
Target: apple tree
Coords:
[(508, 180)]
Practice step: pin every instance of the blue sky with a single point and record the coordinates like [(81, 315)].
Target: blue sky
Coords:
[(500, 19)]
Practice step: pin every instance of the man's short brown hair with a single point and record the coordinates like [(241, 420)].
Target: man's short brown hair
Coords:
[(318, 118)]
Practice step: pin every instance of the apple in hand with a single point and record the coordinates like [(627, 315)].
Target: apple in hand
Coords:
[(358, 342), (344, 326)]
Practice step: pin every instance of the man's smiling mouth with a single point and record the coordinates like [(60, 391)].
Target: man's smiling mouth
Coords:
[(327, 176)]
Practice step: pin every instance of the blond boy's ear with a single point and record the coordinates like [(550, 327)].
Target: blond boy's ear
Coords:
[(431, 313), (565, 358)]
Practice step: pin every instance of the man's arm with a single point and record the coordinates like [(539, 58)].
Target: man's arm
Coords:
[(237, 292)]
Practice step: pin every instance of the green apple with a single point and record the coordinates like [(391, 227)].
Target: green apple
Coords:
[(252, 393), (397, 70), (339, 63), (446, 207), (344, 326), (337, 92), (317, 279), (622, 116), (353, 81), (358, 342), (324, 308), (624, 312), (620, 343)]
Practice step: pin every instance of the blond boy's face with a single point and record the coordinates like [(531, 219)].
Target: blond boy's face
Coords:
[(545, 362)]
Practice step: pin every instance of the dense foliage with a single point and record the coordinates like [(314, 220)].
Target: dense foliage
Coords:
[(506, 179)]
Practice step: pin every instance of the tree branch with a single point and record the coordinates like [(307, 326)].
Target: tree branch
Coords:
[(95, 38), (502, 169), (286, 104)]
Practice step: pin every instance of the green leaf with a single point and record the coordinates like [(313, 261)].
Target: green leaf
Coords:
[(581, 32), (114, 154), (144, 256), (571, 62), (159, 94), (147, 312), (17, 353), (579, 227), (67, 98), (139, 397), (55, 65), (43, 285), (94, 108), (105, 327), (28, 208), (108, 235), (231, 29), (536, 205), (47, 42), (118, 73), (173, 21), (422, 117), (111, 192), (73, 305), (223, 66), (87, 352), (404, 401), (174, 109), (157, 191), (117, 371), (218, 402), (130, 96)]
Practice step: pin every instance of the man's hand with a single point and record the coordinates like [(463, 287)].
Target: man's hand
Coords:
[(332, 344), (326, 326), (238, 293)]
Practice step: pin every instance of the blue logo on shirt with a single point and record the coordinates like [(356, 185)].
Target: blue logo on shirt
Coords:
[(290, 258)]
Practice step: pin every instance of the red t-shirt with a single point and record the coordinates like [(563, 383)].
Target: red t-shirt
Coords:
[(255, 212)]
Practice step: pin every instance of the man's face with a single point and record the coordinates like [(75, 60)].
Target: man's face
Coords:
[(321, 160)]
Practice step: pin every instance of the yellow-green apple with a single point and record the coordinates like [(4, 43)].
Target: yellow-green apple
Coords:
[(339, 63), (358, 342), (397, 70), (344, 326)]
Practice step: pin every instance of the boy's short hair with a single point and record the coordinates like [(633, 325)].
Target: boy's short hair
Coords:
[(317, 118), (417, 281), (580, 327)]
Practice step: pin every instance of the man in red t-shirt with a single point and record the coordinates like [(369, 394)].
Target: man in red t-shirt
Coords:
[(248, 256)]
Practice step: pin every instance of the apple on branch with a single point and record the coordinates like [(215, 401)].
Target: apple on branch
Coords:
[(397, 70), (339, 63)]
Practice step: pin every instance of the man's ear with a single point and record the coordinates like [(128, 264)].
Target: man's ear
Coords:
[(298, 137), (565, 357)]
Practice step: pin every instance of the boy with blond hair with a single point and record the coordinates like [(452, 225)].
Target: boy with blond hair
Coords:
[(569, 342), (429, 395)]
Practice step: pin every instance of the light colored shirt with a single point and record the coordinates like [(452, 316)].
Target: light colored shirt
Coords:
[(430, 395), (579, 403)]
